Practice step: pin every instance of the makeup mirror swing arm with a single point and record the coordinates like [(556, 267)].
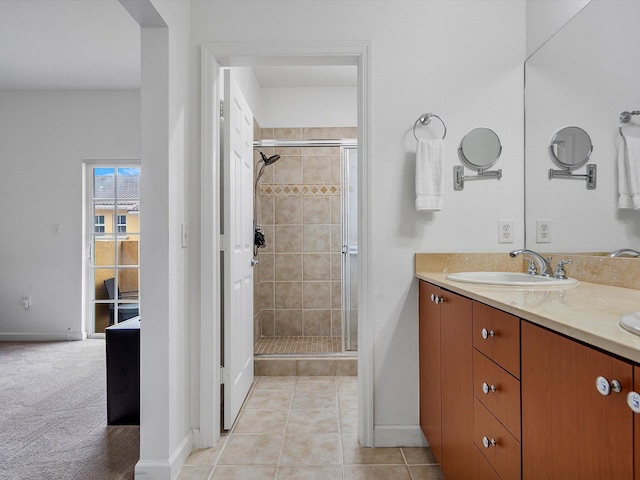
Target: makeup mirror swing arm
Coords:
[(459, 177), (590, 176)]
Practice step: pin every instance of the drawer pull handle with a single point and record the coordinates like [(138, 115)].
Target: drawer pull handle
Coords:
[(486, 388), (488, 443), (633, 400), (488, 333), (435, 298), (604, 387)]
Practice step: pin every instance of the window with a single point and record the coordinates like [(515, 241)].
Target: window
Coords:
[(99, 224), (122, 224), (112, 276)]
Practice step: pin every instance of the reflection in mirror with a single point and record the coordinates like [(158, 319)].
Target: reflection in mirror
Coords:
[(570, 147), (585, 75), (480, 148)]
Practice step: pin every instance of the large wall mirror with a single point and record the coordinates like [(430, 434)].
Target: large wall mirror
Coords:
[(586, 75)]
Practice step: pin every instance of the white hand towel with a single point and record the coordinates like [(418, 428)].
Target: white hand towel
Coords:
[(629, 173), (429, 175)]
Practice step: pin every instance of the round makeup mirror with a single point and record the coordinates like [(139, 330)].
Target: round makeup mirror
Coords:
[(480, 148), (570, 147)]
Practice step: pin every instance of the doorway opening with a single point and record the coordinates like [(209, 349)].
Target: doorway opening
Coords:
[(215, 57)]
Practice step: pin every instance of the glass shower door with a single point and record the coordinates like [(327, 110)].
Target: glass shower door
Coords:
[(349, 199)]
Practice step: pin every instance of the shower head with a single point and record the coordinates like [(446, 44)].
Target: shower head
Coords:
[(265, 161), (269, 160)]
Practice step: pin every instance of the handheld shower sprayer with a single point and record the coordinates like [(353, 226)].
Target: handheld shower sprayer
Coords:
[(258, 234)]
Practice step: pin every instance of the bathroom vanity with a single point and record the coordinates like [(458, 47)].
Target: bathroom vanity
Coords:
[(528, 383)]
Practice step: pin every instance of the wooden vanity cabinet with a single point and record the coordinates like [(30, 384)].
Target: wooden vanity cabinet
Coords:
[(430, 377), (569, 429), (446, 370), (636, 426), (546, 416), (496, 388)]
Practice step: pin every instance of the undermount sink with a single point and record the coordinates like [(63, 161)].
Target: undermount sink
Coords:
[(509, 279)]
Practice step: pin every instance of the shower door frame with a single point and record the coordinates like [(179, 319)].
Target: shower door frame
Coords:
[(347, 249), (213, 56), (344, 144)]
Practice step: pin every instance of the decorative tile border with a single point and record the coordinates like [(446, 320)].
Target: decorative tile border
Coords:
[(297, 190)]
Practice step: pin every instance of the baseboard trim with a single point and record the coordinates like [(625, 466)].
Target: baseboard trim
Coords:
[(42, 337), (399, 436), (165, 470)]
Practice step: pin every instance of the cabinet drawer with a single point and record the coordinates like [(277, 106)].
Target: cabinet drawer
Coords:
[(503, 401), (497, 335), (482, 468), (504, 452)]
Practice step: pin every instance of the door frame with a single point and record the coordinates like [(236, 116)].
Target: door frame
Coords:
[(213, 56)]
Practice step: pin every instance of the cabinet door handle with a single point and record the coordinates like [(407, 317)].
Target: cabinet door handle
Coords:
[(486, 388), (433, 297), (488, 443), (604, 387), (633, 400), (439, 300), (488, 333)]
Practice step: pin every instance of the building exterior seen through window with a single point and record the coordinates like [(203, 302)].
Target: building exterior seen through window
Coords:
[(99, 223), (115, 239)]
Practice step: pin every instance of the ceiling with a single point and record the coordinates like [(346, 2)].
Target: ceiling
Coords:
[(95, 44)]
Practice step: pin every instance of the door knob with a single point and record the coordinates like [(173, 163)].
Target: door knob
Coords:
[(254, 262)]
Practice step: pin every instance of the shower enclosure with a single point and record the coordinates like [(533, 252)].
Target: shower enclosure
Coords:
[(305, 279)]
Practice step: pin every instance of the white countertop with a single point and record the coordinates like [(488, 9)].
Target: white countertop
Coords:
[(588, 312)]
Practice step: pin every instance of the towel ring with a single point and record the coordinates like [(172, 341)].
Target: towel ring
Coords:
[(625, 117), (425, 119)]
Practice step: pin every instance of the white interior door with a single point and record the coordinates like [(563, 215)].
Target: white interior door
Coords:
[(238, 251)]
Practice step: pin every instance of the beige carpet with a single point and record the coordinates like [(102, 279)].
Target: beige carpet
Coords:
[(53, 415)]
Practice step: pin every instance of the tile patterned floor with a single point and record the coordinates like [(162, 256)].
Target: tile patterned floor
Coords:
[(304, 428), (297, 345)]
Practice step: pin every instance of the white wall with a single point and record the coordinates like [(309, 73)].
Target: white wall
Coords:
[(248, 83), (298, 106), (308, 107), (165, 422), (546, 17), (467, 68), (44, 137), (583, 77)]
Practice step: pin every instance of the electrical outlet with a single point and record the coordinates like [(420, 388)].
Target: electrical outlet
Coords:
[(505, 231), (543, 231)]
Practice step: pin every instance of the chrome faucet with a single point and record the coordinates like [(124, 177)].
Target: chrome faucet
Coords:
[(544, 266), (625, 252)]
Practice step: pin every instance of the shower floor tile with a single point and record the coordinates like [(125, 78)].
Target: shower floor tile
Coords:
[(297, 345)]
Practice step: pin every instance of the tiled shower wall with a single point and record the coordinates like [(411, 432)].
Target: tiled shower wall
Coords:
[(297, 282)]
